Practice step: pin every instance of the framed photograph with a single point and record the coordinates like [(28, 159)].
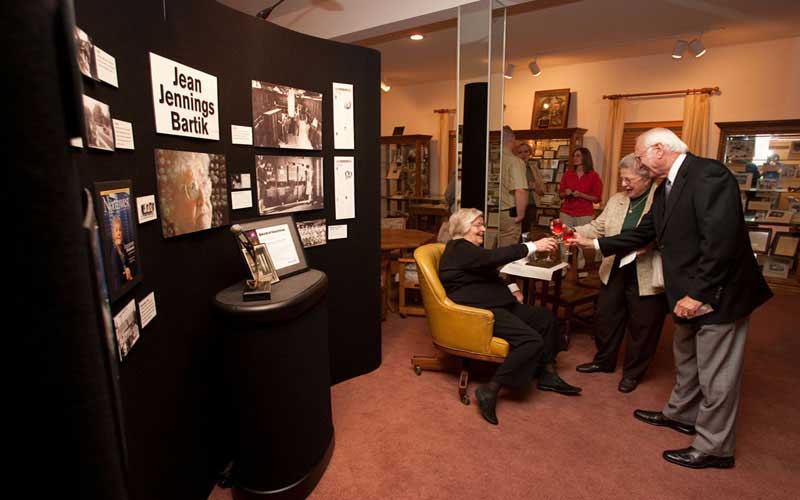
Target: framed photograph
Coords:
[(548, 154), (785, 244), (794, 151), (280, 236), (126, 329), (550, 109), (547, 174), (192, 191), (313, 233), (563, 151), (784, 216), (286, 117), (84, 49), (401, 129), (757, 205), (115, 213), (548, 199), (759, 239), (99, 131), (740, 148), (777, 267), (744, 180), (289, 184)]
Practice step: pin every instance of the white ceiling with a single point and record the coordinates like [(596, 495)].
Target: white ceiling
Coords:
[(559, 32)]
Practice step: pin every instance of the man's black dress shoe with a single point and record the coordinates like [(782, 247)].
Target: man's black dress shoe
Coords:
[(696, 459), (487, 402), (658, 418), (592, 367), (627, 384), (552, 382)]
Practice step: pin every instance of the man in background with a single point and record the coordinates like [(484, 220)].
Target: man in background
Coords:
[(513, 192)]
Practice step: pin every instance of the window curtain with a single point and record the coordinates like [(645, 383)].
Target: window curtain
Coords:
[(695, 123), (616, 125)]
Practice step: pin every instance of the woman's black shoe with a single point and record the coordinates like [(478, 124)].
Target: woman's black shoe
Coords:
[(487, 402)]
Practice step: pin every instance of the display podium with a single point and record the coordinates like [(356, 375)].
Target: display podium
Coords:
[(277, 371)]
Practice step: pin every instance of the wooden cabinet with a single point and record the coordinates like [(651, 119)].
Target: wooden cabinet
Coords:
[(405, 169), (765, 158)]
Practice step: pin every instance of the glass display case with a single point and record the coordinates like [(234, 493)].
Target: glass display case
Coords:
[(765, 158), (405, 168)]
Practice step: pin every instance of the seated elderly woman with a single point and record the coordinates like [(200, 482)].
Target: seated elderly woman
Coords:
[(470, 277), (628, 297)]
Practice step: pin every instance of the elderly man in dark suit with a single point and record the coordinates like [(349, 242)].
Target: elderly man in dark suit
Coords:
[(712, 285)]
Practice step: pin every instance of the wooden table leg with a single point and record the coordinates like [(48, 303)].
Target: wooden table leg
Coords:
[(557, 293)]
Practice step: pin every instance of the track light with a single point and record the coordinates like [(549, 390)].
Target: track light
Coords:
[(535, 70), (509, 71), (697, 47), (680, 48), (385, 86), (417, 37)]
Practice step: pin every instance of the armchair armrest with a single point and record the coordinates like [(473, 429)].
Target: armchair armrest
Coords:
[(462, 327)]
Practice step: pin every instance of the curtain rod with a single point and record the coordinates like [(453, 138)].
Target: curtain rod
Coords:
[(444, 110), (704, 90)]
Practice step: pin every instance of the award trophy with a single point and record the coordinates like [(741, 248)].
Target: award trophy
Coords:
[(261, 267)]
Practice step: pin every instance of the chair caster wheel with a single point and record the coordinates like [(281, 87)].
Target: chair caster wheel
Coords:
[(465, 400), (418, 370)]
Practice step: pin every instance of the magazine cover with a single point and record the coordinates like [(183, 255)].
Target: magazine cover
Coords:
[(120, 254)]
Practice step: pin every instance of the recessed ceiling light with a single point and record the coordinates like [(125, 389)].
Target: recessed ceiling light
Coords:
[(416, 37)]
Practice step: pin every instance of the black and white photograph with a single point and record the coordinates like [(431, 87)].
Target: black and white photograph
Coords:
[(288, 184), (84, 52), (240, 181), (126, 329), (286, 117), (99, 130), (115, 213), (313, 233), (192, 191)]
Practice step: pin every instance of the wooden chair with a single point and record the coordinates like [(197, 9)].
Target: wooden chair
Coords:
[(460, 333), (407, 283)]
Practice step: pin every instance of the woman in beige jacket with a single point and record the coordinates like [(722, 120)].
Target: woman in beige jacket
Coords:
[(629, 298)]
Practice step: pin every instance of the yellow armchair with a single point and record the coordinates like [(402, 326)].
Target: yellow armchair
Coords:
[(459, 332)]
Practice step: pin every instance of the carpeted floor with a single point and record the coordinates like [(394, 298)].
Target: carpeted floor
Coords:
[(399, 436)]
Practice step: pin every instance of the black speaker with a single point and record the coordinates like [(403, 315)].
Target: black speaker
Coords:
[(473, 160)]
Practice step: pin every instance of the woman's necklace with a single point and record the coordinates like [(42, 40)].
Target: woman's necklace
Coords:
[(634, 206)]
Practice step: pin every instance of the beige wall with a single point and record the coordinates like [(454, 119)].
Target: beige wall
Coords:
[(758, 81)]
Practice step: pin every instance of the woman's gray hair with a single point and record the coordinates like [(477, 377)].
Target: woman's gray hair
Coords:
[(666, 137), (462, 220), (629, 163)]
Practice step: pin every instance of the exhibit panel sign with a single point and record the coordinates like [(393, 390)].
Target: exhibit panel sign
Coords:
[(184, 99)]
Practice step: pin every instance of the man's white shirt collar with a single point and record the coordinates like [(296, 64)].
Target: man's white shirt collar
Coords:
[(676, 166)]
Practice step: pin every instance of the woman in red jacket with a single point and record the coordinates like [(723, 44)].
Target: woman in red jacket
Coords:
[(580, 189)]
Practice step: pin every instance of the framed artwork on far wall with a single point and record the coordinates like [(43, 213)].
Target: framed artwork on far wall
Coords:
[(550, 109), (785, 244), (759, 239)]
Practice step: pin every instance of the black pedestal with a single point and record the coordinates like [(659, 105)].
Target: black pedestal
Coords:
[(277, 366)]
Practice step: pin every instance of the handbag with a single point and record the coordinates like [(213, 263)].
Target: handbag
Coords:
[(658, 270)]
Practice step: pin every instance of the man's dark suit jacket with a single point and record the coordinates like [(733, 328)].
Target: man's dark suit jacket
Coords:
[(469, 273), (700, 231)]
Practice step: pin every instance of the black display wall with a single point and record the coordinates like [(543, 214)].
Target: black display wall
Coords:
[(172, 392), (473, 172)]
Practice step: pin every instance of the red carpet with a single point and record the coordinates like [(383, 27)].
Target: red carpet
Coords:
[(401, 436)]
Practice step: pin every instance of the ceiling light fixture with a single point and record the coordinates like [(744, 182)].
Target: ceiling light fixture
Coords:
[(385, 86), (416, 37), (535, 70), (680, 48), (509, 71), (697, 47)]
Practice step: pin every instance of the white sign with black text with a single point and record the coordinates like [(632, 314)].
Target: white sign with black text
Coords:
[(343, 116), (147, 309), (146, 208), (338, 232), (344, 186), (241, 135), (184, 99), (123, 134)]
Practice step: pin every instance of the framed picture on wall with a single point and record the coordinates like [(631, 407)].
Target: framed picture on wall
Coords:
[(785, 244), (563, 151), (548, 153), (115, 214), (547, 174), (550, 109), (286, 117), (777, 267), (759, 239), (783, 216)]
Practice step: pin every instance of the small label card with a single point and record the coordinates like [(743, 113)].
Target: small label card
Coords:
[(242, 135), (147, 309), (338, 232), (146, 208), (241, 199), (106, 66), (123, 134), (76, 142)]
